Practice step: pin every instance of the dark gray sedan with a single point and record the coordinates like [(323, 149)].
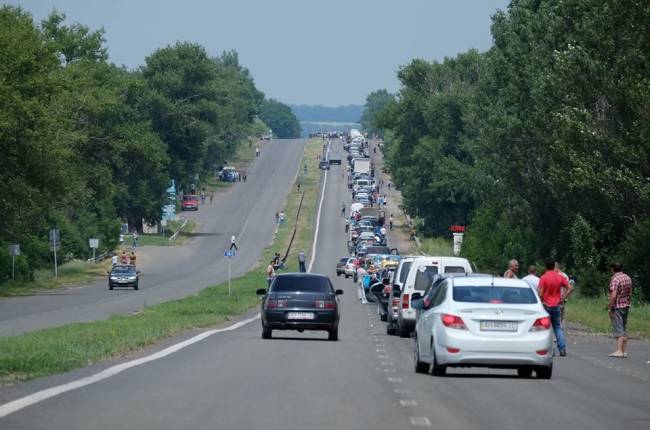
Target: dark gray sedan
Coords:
[(300, 301)]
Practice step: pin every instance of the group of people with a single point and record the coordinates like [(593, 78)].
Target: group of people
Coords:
[(123, 258), (554, 288)]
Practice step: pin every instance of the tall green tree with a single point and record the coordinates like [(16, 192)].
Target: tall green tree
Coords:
[(375, 103), (280, 119)]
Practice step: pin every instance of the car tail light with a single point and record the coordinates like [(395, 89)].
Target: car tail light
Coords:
[(405, 301), (325, 304), (453, 321), (541, 324), (453, 350), (542, 351), (395, 301), (273, 303)]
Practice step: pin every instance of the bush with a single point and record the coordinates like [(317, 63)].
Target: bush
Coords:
[(634, 253)]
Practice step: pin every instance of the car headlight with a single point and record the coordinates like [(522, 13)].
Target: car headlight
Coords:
[(113, 278), (132, 278)]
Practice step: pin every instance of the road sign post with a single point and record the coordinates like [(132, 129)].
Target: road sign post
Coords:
[(55, 243), (229, 253), (94, 244), (14, 249)]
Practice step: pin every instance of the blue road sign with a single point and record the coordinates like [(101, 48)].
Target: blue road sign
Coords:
[(229, 253)]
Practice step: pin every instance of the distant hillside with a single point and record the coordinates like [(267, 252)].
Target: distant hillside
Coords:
[(349, 114)]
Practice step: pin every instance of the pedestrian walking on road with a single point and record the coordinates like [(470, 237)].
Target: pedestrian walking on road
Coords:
[(135, 239), (114, 260), (233, 243), (550, 291), (343, 209), (513, 268), (211, 196), (361, 273), (132, 258), (620, 295), (257, 152), (124, 258), (532, 279), (301, 261), (390, 222)]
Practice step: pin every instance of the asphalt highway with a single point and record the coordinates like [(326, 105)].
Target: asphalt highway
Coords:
[(247, 210), (236, 380)]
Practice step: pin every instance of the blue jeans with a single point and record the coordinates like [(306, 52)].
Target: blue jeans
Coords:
[(555, 312)]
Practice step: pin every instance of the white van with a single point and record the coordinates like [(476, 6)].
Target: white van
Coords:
[(420, 276)]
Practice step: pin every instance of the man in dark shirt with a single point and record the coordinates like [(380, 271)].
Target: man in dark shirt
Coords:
[(551, 286)]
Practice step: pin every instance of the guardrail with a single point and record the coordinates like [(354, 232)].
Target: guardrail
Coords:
[(100, 257), (180, 229)]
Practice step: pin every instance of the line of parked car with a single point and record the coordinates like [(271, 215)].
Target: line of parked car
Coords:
[(458, 318)]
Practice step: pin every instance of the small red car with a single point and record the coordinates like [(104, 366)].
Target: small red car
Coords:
[(190, 202)]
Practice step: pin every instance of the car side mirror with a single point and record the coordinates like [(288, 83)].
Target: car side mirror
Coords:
[(417, 303), (338, 292), (261, 291)]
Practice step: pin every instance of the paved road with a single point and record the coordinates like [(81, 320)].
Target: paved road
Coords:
[(247, 210), (236, 380)]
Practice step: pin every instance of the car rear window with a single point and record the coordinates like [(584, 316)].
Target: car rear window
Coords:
[(424, 277), (123, 269), (405, 271), (454, 269), (307, 284), (344, 260), (494, 294)]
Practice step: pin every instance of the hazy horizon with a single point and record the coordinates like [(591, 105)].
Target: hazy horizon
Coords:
[(301, 53)]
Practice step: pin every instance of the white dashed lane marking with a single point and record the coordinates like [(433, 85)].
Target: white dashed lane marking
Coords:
[(408, 403), (420, 422)]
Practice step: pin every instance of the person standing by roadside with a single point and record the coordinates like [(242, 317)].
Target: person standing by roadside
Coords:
[(620, 295), (532, 279), (233, 243), (135, 239), (270, 273), (390, 221), (361, 274), (550, 291), (301, 261), (114, 260), (513, 268)]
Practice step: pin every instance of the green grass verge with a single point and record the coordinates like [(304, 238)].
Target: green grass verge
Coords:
[(74, 272), (591, 313), (61, 349), (159, 239), (436, 246)]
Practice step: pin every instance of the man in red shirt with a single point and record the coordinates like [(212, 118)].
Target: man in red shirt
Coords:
[(553, 289)]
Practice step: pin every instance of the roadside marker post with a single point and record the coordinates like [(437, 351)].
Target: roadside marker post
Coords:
[(55, 244), (14, 249), (229, 253)]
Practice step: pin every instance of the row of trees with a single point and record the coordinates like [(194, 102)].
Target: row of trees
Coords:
[(540, 145), (86, 144)]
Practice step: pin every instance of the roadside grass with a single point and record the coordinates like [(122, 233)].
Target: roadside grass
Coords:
[(590, 312), (437, 246), (70, 273), (159, 240), (61, 349)]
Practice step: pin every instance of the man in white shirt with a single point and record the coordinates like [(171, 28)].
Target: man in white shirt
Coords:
[(233, 243), (532, 279)]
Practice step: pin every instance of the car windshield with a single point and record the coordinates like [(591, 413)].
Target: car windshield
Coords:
[(188, 198), (307, 284), (494, 294), (424, 277), (454, 269), (123, 269)]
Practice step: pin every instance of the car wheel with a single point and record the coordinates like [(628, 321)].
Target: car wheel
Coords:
[(383, 317), (436, 368), (420, 366), (390, 329), (266, 332), (524, 372), (338, 273), (544, 372), (401, 330), (334, 333)]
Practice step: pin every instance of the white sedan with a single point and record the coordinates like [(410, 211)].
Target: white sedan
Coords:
[(483, 321)]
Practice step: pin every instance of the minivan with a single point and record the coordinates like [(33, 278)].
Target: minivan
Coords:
[(419, 277)]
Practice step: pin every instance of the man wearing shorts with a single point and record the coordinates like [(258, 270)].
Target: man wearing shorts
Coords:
[(620, 294)]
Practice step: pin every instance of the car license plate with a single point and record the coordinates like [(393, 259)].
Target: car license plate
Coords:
[(300, 316), (498, 325)]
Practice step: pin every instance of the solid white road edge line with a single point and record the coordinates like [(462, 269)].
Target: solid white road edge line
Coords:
[(320, 207), (39, 396)]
